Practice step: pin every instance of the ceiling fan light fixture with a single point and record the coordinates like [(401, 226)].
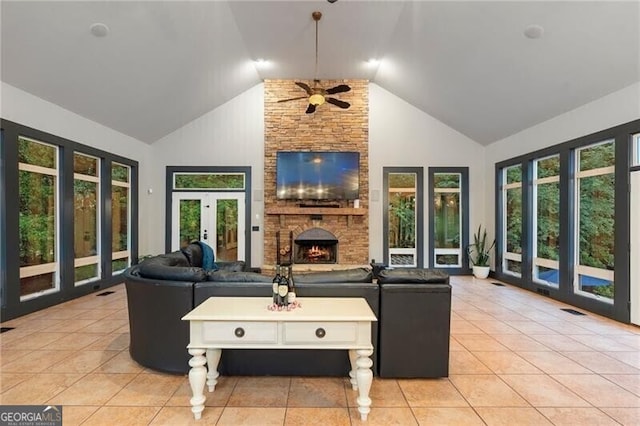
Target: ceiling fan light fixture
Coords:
[(316, 99)]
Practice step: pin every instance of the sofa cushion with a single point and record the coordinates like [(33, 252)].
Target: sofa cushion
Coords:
[(356, 275), (193, 253), (237, 266), (230, 276), (412, 275), (171, 266)]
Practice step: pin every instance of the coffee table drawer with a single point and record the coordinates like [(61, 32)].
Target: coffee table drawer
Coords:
[(319, 332), (240, 332)]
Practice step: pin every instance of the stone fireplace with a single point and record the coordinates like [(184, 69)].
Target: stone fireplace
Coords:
[(315, 245), (288, 128)]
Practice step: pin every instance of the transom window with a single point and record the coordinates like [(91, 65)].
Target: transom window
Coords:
[(210, 181)]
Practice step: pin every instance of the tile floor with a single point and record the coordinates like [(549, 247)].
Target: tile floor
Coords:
[(516, 359)]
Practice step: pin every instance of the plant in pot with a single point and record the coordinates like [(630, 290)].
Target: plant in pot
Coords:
[(479, 253)]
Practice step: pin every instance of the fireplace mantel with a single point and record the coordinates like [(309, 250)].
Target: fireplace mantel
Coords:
[(329, 211)]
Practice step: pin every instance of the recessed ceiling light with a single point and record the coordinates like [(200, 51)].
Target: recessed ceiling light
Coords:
[(534, 31), (261, 62), (373, 62), (99, 29)]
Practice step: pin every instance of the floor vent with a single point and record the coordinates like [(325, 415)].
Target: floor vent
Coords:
[(105, 293), (572, 311), (3, 329), (543, 291), (498, 284)]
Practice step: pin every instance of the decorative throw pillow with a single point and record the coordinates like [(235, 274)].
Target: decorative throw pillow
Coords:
[(237, 277), (356, 275)]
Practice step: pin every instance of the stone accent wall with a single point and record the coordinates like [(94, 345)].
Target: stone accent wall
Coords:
[(288, 128)]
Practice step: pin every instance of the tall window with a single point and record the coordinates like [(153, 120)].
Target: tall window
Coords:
[(546, 220), (447, 220), (404, 217), (635, 159), (39, 218), (512, 223), (595, 221), (86, 200), (120, 217)]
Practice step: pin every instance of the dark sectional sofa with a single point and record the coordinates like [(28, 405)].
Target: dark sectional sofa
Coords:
[(409, 337)]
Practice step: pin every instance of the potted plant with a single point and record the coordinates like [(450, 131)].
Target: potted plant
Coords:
[(479, 253)]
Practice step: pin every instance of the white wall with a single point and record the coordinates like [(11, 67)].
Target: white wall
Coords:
[(401, 135), (230, 135), (23, 108), (616, 108)]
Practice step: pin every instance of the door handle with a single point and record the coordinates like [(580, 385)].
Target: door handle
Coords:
[(204, 236)]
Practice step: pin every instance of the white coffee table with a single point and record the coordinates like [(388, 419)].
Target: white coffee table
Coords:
[(246, 323)]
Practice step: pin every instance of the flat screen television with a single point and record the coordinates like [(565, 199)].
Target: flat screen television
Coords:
[(317, 175)]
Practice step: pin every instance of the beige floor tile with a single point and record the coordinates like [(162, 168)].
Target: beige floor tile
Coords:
[(217, 398), (554, 363), (82, 362), (9, 380), (36, 340), (506, 363), (562, 327), (111, 342), (431, 393), (75, 415), (487, 391), (464, 327), (95, 314), (252, 416), (384, 393), (482, 342), (520, 342), (36, 361), (104, 326), (120, 363), (148, 390), (130, 416), (558, 342), (317, 417), (260, 392), (625, 416), (459, 416), (38, 388), (173, 416), (9, 355), (563, 416), (501, 416), (455, 346), (73, 341), (630, 382), (598, 391), (384, 417), (93, 389), (631, 341), (630, 358), (494, 327), (69, 326), (600, 343), (317, 392), (600, 363), (466, 363), (473, 315), (543, 391)]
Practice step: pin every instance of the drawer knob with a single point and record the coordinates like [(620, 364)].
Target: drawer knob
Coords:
[(239, 332), (320, 332)]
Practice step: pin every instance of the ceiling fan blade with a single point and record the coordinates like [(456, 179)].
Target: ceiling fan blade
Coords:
[(338, 103), (338, 89), (305, 87), (292, 99), (311, 109)]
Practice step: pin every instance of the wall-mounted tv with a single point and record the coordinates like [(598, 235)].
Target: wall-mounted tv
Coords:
[(317, 175)]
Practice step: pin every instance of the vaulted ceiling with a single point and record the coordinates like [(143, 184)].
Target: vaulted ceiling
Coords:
[(468, 64)]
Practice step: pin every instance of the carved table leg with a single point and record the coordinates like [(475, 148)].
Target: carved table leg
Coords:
[(364, 376), (213, 358), (197, 377), (352, 374)]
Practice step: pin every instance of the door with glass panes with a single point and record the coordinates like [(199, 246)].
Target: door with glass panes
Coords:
[(216, 218)]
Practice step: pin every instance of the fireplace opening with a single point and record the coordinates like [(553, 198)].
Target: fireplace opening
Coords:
[(316, 245)]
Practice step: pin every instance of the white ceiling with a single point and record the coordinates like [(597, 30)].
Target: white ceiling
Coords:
[(468, 64)]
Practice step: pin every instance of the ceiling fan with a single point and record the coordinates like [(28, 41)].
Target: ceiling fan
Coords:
[(317, 95)]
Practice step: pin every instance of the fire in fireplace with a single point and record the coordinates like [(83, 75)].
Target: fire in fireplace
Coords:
[(316, 245)]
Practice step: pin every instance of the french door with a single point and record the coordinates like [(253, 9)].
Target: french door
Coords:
[(635, 248), (215, 218)]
